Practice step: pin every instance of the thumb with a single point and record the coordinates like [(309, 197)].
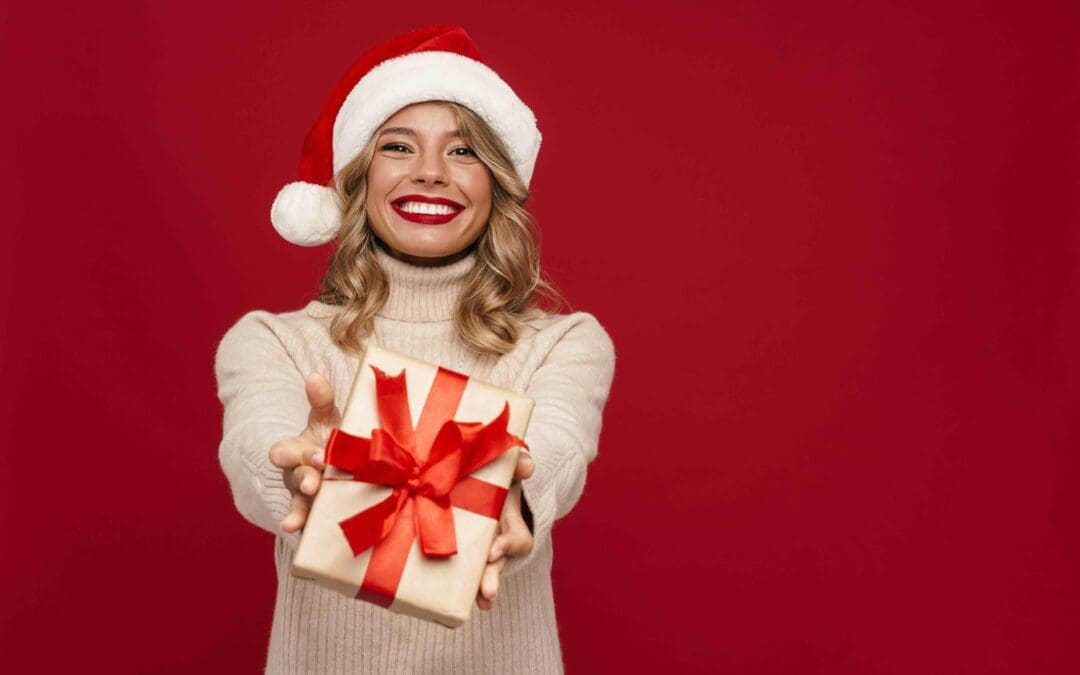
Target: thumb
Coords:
[(320, 395)]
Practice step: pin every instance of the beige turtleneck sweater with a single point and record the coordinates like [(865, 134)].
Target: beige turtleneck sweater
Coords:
[(565, 362)]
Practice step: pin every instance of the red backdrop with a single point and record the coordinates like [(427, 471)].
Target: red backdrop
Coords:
[(835, 244)]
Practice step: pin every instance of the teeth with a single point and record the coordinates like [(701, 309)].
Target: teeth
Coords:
[(429, 209)]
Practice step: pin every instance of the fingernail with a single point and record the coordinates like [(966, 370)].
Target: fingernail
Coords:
[(496, 553), (317, 458)]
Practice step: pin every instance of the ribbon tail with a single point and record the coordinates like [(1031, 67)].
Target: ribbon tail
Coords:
[(392, 401), (387, 562), (435, 523), (370, 526)]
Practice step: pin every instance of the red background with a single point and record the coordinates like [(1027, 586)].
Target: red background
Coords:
[(835, 244)]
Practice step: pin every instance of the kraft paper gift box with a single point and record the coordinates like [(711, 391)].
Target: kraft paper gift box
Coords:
[(406, 515)]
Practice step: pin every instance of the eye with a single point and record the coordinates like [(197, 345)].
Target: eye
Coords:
[(395, 147), (467, 151)]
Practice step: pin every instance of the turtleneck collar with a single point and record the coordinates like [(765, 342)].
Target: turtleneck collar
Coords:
[(422, 293)]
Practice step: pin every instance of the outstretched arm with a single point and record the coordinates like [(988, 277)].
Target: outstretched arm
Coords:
[(264, 400), (570, 388)]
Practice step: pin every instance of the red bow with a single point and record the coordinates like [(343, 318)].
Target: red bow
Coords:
[(429, 470)]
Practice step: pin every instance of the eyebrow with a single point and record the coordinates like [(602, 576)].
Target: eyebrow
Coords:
[(409, 132)]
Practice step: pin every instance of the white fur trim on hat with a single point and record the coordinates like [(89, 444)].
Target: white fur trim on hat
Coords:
[(306, 214), (436, 76)]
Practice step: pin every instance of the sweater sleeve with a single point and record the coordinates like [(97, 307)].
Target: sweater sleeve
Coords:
[(262, 391), (570, 388)]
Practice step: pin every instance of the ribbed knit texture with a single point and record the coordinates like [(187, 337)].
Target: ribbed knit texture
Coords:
[(565, 362)]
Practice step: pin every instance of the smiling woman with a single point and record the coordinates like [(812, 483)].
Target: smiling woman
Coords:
[(429, 196), (417, 152), (418, 169)]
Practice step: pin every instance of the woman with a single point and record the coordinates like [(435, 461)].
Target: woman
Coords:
[(419, 168)]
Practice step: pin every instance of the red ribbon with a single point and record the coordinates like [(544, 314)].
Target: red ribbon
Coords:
[(428, 469)]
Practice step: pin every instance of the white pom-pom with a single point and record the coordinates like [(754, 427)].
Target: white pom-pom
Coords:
[(306, 214)]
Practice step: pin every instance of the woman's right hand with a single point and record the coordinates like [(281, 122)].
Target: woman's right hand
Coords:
[(301, 457)]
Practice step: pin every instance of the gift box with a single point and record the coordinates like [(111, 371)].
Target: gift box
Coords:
[(406, 514)]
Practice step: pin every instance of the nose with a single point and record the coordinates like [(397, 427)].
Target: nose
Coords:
[(430, 169)]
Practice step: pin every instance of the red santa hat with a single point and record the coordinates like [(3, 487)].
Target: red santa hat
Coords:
[(436, 63)]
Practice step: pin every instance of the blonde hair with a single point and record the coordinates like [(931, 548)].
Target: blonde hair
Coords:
[(503, 290)]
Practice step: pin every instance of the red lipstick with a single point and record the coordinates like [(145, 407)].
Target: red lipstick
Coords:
[(427, 218)]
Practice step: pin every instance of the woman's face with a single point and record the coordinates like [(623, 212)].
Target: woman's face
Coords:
[(429, 196)]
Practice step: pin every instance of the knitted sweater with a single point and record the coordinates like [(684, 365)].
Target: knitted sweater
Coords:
[(565, 362)]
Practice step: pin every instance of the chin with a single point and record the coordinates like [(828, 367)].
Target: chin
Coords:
[(425, 247), (429, 253), (429, 249)]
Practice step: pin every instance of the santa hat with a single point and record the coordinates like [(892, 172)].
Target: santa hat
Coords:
[(436, 63)]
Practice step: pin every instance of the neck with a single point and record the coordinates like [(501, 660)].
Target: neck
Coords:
[(423, 292)]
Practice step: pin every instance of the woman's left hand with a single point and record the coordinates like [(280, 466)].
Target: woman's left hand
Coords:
[(514, 535)]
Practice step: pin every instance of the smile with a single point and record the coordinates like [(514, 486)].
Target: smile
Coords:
[(426, 210)]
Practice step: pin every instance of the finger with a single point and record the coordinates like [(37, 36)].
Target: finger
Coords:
[(511, 515), (498, 548), (320, 394), (516, 541), (525, 466), (293, 451), (298, 513), (288, 476), (307, 480), (513, 521), (299, 479), (489, 584), (483, 603)]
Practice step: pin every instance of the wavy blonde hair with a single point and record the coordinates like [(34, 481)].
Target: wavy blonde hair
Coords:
[(504, 289)]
